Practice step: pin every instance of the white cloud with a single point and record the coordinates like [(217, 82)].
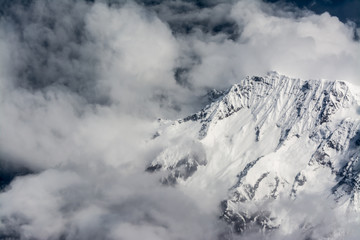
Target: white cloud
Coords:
[(136, 52), (81, 85), (302, 45)]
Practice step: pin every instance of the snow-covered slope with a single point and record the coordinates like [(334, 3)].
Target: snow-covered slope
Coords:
[(264, 141)]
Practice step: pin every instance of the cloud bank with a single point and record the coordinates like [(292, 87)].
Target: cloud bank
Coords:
[(83, 82), (296, 43)]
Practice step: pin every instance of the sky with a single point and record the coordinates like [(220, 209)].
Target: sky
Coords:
[(82, 84), (345, 10)]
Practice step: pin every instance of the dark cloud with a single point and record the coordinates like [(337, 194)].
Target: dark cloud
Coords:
[(9, 170), (189, 17), (41, 58)]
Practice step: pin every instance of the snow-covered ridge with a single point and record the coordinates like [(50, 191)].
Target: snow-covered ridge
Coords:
[(268, 138), (305, 104)]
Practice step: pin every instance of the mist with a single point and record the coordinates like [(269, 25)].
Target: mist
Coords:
[(83, 84)]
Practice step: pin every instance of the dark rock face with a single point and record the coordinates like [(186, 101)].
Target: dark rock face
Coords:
[(349, 176), (241, 222), (153, 168), (183, 169), (178, 163), (299, 181), (246, 219)]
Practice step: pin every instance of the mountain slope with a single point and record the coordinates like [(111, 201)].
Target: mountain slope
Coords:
[(268, 140)]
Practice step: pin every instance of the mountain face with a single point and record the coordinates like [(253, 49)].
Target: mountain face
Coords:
[(269, 141)]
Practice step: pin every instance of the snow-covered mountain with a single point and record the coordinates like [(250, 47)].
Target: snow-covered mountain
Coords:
[(268, 141)]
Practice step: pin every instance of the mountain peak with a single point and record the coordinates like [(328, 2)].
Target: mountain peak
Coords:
[(309, 103), (268, 139)]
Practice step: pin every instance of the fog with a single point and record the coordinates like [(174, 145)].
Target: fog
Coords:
[(82, 84)]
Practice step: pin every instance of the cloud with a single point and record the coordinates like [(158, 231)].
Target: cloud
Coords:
[(83, 82), (59, 97), (297, 44), (136, 52), (96, 202), (79, 97)]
